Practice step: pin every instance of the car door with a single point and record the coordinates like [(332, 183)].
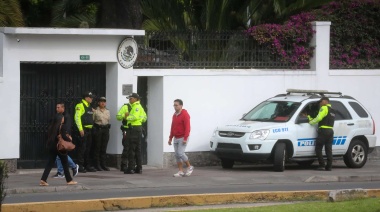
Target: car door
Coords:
[(343, 125), (306, 133)]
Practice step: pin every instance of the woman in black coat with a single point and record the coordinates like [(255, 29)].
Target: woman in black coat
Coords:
[(54, 130)]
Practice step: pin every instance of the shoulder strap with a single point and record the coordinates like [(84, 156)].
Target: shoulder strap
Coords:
[(129, 106)]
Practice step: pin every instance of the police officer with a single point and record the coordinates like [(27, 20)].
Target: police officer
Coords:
[(325, 120), (101, 134), (135, 119), (122, 116), (84, 121)]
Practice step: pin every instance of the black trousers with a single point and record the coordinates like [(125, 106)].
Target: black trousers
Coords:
[(134, 148), (84, 148), (101, 137), (325, 138), (53, 152), (124, 154)]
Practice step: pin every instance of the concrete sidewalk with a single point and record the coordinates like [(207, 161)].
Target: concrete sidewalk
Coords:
[(27, 181)]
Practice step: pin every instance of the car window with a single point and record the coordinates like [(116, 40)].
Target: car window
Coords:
[(272, 111), (359, 109), (341, 112), (310, 109)]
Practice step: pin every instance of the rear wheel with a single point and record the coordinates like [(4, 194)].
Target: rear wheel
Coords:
[(356, 155), (279, 157), (227, 163)]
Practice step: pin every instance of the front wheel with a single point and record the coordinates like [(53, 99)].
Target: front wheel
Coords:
[(227, 163), (356, 155), (279, 157)]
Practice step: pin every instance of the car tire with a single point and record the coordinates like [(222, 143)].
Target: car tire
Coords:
[(356, 155), (279, 157), (227, 163), (305, 163)]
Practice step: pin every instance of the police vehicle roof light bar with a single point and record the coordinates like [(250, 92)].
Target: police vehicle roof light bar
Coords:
[(309, 92)]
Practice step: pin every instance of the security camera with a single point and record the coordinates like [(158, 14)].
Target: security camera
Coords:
[(18, 40)]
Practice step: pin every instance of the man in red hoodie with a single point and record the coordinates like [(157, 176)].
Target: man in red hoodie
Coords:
[(180, 131)]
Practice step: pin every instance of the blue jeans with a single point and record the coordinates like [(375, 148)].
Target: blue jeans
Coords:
[(59, 164)]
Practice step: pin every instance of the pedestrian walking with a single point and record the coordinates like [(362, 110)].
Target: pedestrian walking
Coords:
[(84, 122), (325, 120), (66, 127), (74, 167), (180, 132), (135, 119), (101, 134), (55, 129)]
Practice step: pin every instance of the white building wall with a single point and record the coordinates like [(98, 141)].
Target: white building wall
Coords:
[(215, 97), (58, 45), (156, 126)]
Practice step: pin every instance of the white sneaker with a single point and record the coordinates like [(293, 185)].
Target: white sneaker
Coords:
[(178, 174), (189, 171)]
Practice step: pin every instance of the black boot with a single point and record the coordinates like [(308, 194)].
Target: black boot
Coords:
[(129, 171), (98, 167), (90, 169), (104, 167), (122, 168), (82, 169), (138, 171)]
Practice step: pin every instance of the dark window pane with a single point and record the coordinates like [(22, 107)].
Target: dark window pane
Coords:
[(359, 109), (341, 112)]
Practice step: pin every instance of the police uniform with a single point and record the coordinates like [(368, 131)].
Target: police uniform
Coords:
[(325, 120), (101, 136), (84, 121), (126, 108), (135, 119)]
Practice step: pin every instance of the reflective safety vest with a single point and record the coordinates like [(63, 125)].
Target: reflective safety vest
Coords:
[(325, 117), (83, 115), (137, 115), (120, 116)]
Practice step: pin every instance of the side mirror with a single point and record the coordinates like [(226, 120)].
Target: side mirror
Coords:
[(302, 119)]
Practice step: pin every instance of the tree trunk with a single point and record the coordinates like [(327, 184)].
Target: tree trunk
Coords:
[(123, 14)]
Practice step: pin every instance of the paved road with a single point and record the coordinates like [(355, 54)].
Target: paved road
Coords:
[(23, 186)]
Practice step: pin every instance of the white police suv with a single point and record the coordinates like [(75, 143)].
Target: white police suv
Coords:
[(278, 131)]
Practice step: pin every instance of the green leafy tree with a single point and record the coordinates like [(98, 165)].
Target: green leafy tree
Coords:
[(277, 11), (194, 14), (220, 14), (10, 14), (75, 13), (37, 13), (120, 14)]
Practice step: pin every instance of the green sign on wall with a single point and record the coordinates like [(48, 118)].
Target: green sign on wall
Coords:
[(84, 57)]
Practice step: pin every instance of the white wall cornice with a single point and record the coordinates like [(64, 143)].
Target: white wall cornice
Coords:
[(71, 31), (221, 72)]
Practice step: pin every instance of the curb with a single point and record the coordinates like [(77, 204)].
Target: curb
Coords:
[(175, 200), (82, 187)]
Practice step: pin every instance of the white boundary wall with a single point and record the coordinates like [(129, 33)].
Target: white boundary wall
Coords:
[(212, 97), (216, 97)]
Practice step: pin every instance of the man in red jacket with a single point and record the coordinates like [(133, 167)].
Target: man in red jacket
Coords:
[(180, 131)]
